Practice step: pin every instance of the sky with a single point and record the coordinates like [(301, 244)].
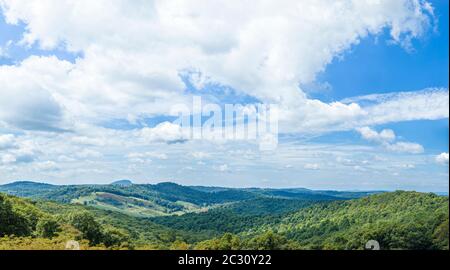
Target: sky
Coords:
[(87, 90)]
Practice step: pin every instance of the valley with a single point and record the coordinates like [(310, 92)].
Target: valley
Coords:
[(124, 215)]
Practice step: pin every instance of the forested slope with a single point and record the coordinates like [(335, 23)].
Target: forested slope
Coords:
[(398, 220)]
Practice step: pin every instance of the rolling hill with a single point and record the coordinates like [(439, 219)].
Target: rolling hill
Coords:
[(171, 216), (397, 220), (162, 199)]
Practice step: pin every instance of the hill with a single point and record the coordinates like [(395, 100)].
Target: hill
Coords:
[(26, 224), (26, 188), (162, 199), (123, 183), (398, 220)]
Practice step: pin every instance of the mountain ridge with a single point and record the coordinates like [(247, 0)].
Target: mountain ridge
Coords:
[(123, 182), (197, 187), (161, 199), (153, 217)]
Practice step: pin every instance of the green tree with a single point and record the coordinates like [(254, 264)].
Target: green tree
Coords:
[(47, 227), (12, 223), (112, 236), (88, 226), (440, 235), (268, 241), (179, 245)]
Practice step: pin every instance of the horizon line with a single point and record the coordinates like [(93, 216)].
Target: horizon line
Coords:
[(212, 186)]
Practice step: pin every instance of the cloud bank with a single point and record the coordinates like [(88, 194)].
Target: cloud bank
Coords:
[(134, 59), (133, 55)]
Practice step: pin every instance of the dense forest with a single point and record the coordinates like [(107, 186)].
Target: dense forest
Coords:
[(169, 216)]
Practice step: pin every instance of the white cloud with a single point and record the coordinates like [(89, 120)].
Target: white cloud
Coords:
[(311, 166), (406, 147), (134, 53), (88, 153), (19, 156), (387, 137), (145, 155), (405, 166), (427, 104), (359, 168), (164, 132), (442, 158), (222, 168), (201, 155), (7, 159), (7, 141), (46, 166), (83, 140), (26, 101)]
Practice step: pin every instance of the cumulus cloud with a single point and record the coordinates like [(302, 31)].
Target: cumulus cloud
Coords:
[(222, 168), (442, 158), (134, 53), (428, 104), (7, 159), (164, 132), (406, 147), (7, 141), (46, 166), (134, 58), (145, 155), (16, 156), (25, 99), (387, 137)]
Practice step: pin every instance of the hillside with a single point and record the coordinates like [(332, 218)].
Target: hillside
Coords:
[(234, 218), (123, 183), (26, 224), (26, 188), (163, 199), (218, 218), (399, 220)]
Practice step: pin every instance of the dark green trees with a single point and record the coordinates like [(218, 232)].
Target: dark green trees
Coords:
[(11, 222), (88, 226), (47, 227)]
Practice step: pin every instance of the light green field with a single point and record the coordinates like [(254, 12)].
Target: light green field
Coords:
[(135, 206)]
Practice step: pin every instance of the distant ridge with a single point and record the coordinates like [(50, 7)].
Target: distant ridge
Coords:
[(26, 188), (122, 183), (26, 184)]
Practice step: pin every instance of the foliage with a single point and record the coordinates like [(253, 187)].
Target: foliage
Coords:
[(239, 217), (398, 220), (47, 227), (265, 241), (87, 225), (161, 199), (11, 222)]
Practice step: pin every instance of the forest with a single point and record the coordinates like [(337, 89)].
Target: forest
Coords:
[(168, 216)]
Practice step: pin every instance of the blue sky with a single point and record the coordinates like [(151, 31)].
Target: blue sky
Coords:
[(110, 81), (378, 67)]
